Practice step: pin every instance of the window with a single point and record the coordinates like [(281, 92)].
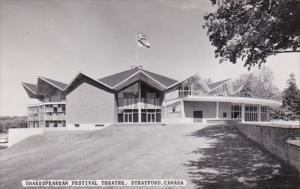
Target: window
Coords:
[(174, 108), (251, 113), (76, 125), (264, 113), (224, 114), (99, 125), (236, 111)]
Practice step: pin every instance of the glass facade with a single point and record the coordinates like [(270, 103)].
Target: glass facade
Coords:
[(251, 113), (139, 96)]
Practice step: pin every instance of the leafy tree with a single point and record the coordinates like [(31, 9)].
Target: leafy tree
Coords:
[(252, 30), (12, 122), (291, 100), (258, 84)]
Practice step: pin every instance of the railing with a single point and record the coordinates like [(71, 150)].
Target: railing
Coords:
[(127, 101), (183, 93), (152, 101), (60, 117), (133, 102)]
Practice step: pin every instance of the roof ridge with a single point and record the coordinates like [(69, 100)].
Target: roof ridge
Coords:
[(115, 79), (217, 84), (52, 79), (56, 83), (120, 72)]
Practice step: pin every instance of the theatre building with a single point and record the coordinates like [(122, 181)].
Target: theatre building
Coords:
[(140, 96)]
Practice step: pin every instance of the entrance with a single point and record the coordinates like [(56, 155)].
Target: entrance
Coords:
[(198, 115), (128, 117), (132, 116), (151, 117)]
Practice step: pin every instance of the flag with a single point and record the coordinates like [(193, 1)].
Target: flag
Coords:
[(142, 40)]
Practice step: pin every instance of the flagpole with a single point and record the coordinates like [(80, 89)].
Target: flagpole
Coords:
[(136, 55)]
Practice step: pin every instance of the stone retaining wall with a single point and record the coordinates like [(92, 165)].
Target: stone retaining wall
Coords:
[(276, 139), (294, 153)]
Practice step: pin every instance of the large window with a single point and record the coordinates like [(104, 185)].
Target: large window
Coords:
[(251, 113), (236, 111), (128, 116), (174, 108), (131, 91), (151, 115), (264, 113)]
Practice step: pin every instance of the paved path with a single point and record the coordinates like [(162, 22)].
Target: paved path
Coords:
[(213, 157), (236, 162)]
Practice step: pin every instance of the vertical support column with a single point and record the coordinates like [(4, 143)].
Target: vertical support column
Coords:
[(182, 115), (259, 113), (268, 113), (217, 110), (243, 112), (28, 116), (39, 115), (44, 114), (139, 103)]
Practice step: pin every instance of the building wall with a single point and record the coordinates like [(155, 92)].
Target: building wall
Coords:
[(89, 105), (224, 107), (274, 139), (208, 108), (294, 153)]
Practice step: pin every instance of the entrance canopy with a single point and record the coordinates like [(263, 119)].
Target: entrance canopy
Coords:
[(237, 100)]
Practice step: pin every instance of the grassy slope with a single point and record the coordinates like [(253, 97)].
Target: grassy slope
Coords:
[(112, 153)]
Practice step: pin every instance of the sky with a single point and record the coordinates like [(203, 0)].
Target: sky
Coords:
[(59, 38)]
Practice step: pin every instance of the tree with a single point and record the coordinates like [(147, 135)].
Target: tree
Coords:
[(258, 84), (291, 100), (252, 30)]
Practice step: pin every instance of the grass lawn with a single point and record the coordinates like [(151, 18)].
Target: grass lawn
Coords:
[(117, 152)]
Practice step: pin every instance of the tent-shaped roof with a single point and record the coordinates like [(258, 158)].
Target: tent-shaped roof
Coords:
[(116, 79), (31, 90), (217, 84), (31, 87), (57, 84)]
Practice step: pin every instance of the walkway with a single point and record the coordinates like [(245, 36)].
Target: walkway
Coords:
[(236, 162)]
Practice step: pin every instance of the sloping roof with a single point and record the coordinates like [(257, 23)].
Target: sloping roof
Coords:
[(217, 84), (79, 77), (55, 83), (117, 78), (237, 89), (162, 79), (31, 87)]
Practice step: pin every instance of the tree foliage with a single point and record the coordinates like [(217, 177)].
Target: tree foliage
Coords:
[(291, 97), (12, 122), (252, 30), (258, 84)]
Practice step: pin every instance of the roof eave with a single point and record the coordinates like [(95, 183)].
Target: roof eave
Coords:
[(134, 74), (49, 82), (79, 74)]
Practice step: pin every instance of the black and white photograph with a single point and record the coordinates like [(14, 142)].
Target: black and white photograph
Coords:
[(166, 94)]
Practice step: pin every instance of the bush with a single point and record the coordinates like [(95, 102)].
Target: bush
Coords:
[(12, 122)]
